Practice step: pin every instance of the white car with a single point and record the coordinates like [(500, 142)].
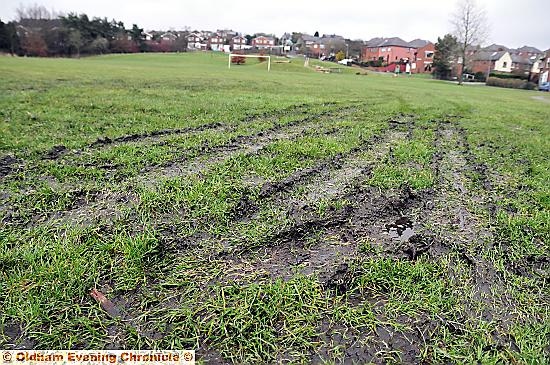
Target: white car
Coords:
[(346, 61)]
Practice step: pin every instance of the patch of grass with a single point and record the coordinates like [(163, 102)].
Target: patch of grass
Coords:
[(393, 177), (254, 323), (409, 287)]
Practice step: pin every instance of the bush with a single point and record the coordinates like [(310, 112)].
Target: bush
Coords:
[(377, 63), (238, 60), (480, 76), (262, 58), (511, 83), (507, 76)]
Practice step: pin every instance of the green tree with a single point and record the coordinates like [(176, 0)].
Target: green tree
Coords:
[(15, 41), (99, 46), (340, 56), (445, 52), (75, 41), (4, 39), (295, 37)]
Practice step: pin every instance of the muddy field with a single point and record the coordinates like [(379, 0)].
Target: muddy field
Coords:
[(320, 232)]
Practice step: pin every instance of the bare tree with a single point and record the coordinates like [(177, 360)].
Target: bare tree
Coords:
[(470, 27), (33, 12)]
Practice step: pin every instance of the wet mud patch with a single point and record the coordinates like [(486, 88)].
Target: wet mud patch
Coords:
[(8, 164), (12, 337), (55, 152), (299, 108), (376, 341), (244, 144), (104, 206)]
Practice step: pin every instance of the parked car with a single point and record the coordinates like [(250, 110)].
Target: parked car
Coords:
[(545, 86), (346, 61)]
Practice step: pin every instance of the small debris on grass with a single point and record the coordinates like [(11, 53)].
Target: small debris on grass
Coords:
[(105, 303)]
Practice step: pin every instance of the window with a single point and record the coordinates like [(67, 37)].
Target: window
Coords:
[(429, 54), (504, 64), (389, 49), (383, 50)]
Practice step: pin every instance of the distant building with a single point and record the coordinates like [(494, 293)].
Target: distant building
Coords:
[(168, 37), (196, 42), (487, 61), (238, 43), (495, 48), (226, 33), (263, 42), (527, 51), (318, 46), (544, 67), (524, 64), (423, 58), (389, 50), (215, 43)]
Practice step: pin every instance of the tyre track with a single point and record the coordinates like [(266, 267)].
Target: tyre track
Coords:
[(99, 205)]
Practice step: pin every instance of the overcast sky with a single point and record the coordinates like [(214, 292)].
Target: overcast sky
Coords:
[(512, 23)]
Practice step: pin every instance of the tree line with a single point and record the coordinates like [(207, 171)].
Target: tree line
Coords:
[(39, 32)]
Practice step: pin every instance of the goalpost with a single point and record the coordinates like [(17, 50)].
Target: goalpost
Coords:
[(253, 56)]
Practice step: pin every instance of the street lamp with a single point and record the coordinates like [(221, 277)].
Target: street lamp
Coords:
[(347, 51)]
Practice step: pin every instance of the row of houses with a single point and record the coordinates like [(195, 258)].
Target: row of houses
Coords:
[(221, 40), (499, 58), (418, 54)]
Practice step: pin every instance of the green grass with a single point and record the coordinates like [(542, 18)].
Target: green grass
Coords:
[(214, 260)]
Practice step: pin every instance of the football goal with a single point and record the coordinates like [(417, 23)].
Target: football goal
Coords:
[(231, 55)]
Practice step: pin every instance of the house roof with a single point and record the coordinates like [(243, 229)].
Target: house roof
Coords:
[(489, 56), (394, 41), (521, 60), (333, 36), (387, 42), (374, 42), (418, 43), (309, 38), (495, 48), (528, 49), (265, 36)]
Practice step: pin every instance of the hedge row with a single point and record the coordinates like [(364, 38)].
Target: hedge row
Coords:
[(511, 83)]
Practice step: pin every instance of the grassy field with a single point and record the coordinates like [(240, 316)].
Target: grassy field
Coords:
[(271, 217)]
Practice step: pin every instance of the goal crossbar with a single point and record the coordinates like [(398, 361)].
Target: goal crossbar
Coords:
[(247, 55)]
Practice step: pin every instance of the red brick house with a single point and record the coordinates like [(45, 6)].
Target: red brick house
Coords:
[(390, 50), (487, 61), (263, 42), (311, 46), (215, 43), (527, 51), (423, 56), (238, 43), (195, 42), (544, 65)]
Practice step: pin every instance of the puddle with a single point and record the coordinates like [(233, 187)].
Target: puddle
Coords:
[(402, 229)]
